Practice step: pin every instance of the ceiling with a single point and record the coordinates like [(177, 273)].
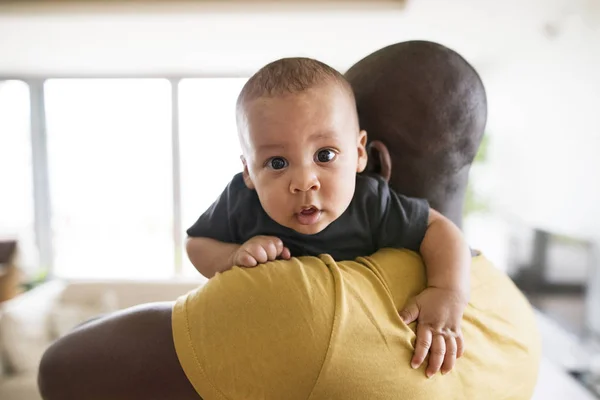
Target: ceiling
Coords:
[(236, 37)]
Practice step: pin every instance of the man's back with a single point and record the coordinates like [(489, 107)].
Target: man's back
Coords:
[(316, 329)]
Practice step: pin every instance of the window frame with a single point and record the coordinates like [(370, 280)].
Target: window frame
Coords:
[(41, 179)]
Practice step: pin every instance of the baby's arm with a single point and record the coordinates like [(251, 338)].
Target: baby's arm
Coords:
[(446, 255), (407, 222), (438, 310), (210, 256), (215, 241)]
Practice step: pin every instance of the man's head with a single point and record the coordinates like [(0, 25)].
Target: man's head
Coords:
[(301, 142), (428, 106)]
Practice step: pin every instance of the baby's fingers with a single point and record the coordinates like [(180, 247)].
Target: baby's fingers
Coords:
[(437, 355), (422, 345), (246, 260), (286, 254), (410, 313), (451, 354), (272, 249), (258, 252), (460, 346)]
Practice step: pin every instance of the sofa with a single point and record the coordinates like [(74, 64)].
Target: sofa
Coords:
[(31, 321)]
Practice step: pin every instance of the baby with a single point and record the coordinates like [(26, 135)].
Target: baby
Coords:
[(300, 193)]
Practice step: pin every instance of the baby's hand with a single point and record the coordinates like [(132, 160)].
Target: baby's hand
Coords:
[(260, 249), (438, 313)]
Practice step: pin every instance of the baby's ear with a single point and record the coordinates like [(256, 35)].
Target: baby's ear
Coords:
[(246, 174), (362, 152)]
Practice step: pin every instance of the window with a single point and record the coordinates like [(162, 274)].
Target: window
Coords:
[(209, 148), (16, 175), (110, 173)]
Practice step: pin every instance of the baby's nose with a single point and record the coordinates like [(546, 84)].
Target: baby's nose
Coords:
[(304, 181)]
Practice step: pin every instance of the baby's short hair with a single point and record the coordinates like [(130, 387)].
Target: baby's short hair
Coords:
[(290, 75)]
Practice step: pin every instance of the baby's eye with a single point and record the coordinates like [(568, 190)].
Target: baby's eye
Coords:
[(277, 163), (325, 155)]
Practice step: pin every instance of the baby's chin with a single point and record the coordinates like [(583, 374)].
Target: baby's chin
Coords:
[(311, 229)]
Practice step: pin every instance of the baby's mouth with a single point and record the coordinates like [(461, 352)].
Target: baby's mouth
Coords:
[(309, 215), (309, 210)]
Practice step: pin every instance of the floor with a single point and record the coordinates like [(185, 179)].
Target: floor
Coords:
[(568, 311)]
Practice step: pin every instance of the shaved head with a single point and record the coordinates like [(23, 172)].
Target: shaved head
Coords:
[(427, 104)]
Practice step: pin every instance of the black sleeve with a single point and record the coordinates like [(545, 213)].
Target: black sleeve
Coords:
[(402, 220), (216, 222)]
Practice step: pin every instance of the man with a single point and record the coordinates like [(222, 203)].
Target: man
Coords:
[(340, 336)]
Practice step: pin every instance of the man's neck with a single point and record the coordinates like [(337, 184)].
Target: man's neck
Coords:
[(452, 209), (452, 204)]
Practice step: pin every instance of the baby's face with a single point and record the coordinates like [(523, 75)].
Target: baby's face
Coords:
[(301, 154)]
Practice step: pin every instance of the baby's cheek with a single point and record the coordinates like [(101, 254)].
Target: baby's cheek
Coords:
[(273, 203), (341, 195)]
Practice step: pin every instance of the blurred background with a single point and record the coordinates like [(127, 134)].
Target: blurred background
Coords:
[(117, 131)]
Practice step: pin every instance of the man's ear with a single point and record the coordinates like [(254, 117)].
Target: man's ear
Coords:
[(246, 174), (362, 152), (380, 161)]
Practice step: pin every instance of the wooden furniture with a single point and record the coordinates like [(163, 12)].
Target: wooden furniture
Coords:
[(9, 272)]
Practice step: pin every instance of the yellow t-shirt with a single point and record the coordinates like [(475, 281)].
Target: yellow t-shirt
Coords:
[(313, 328)]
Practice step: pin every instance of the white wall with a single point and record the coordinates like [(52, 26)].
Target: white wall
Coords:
[(216, 39), (544, 92), (545, 118)]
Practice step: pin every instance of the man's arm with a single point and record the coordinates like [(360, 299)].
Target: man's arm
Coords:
[(129, 355)]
